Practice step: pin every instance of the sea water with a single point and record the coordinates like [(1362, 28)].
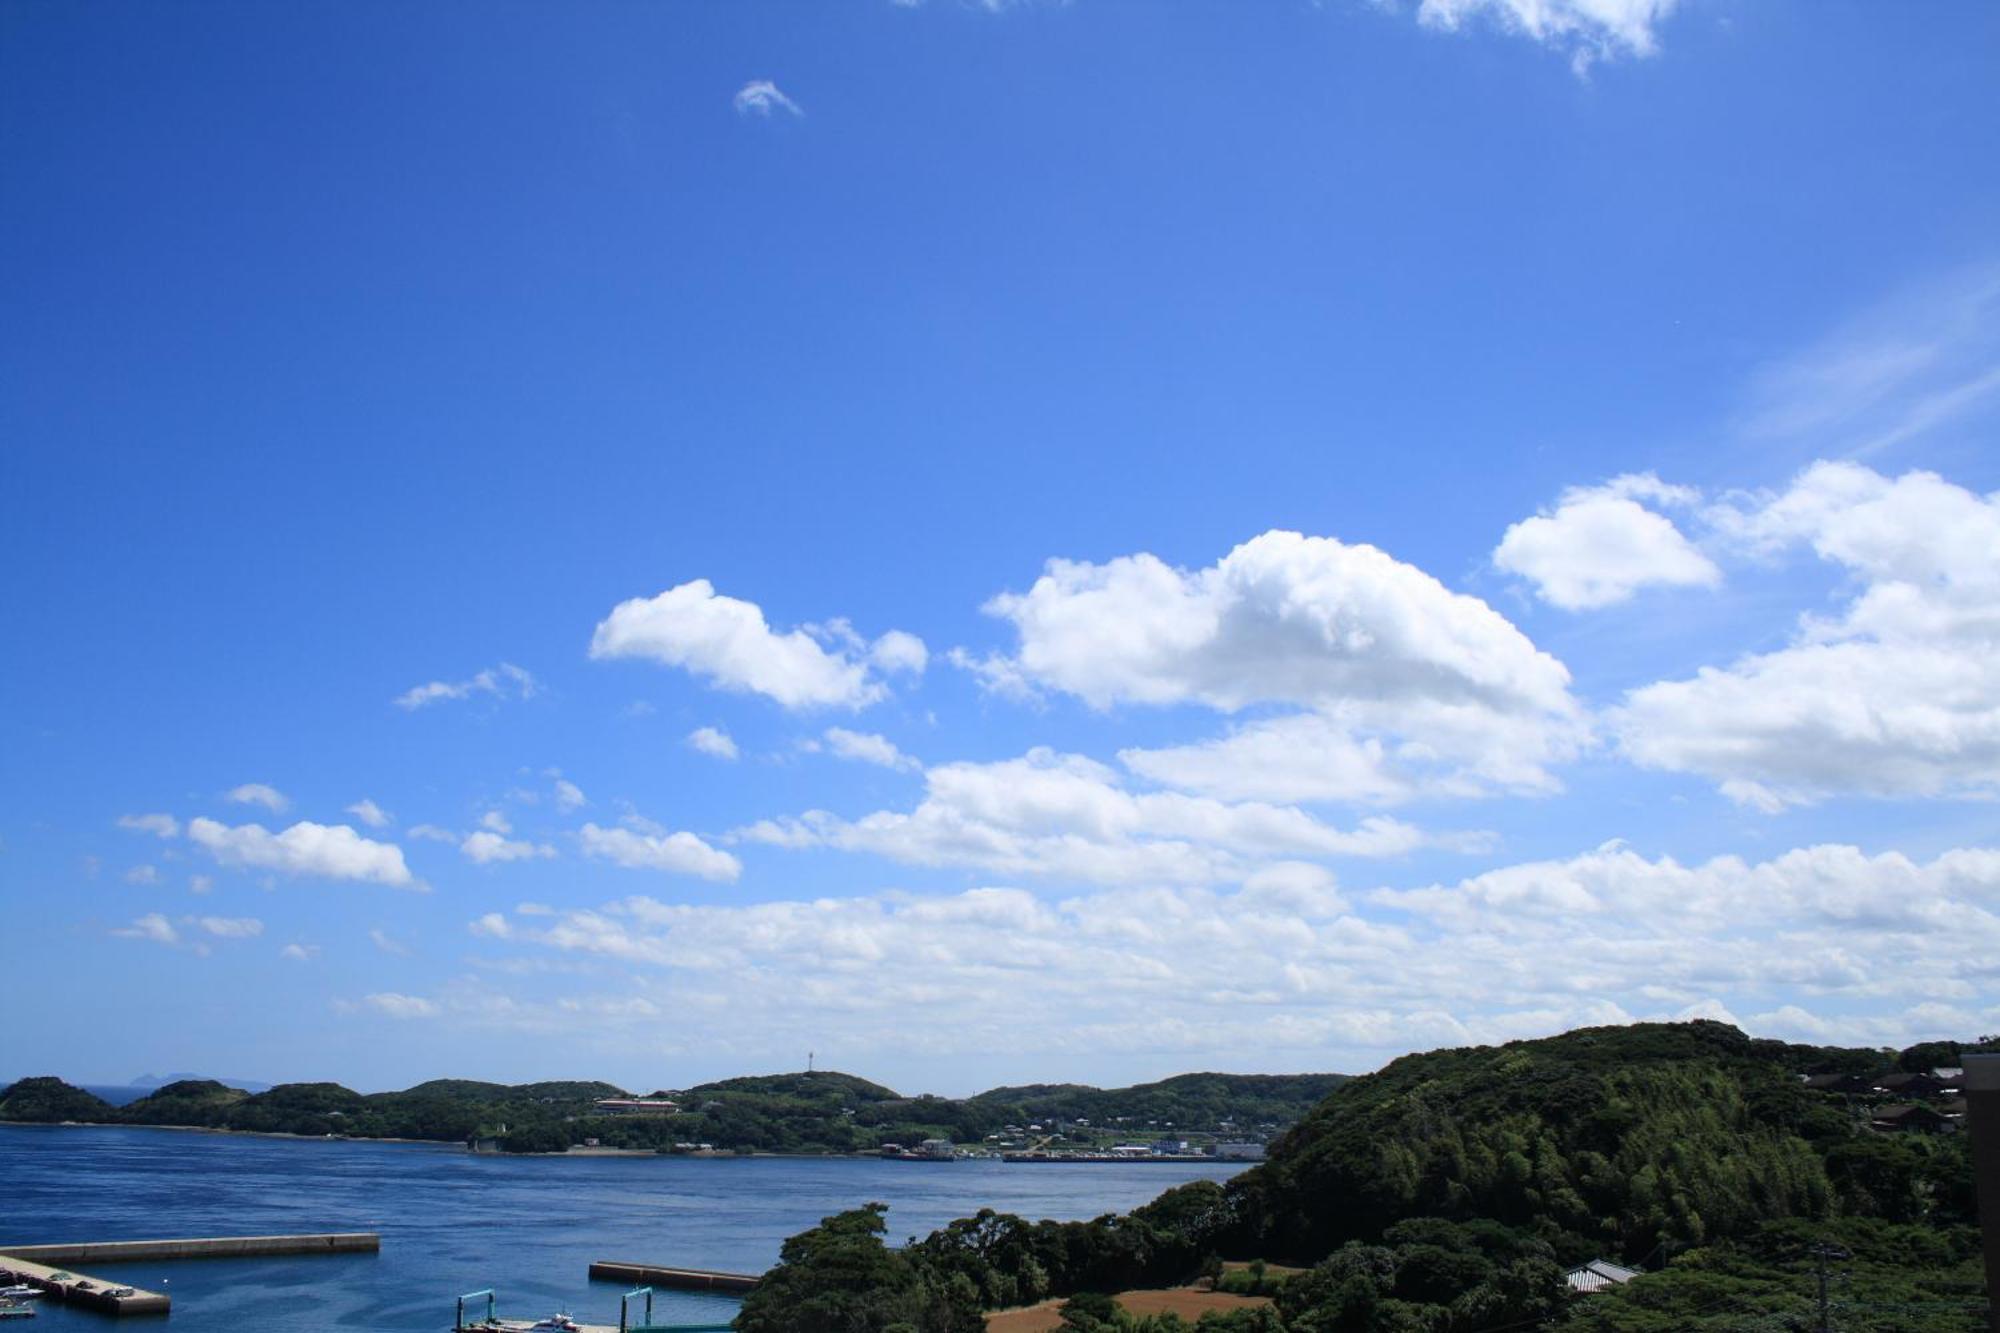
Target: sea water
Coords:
[(452, 1222)]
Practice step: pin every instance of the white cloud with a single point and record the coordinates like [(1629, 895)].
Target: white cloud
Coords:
[(232, 927), (1283, 618), (299, 953), (569, 796), (675, 853), (1882, 948), (494, 821), (142, 874), (1897, 696), (1410, 688), (505, 681), (432, 833), (487, 848), (160, 826), (899, 650), (258, 793), (727, 641), (1924, 358), (1066, 817), (1587, 30), (200, 884), (401, 1006), (151, 926), (328, 851), (1601, 545), (713, 741), (386, 942), (492, 926), (761, 97), (867, 748), (371, 814)]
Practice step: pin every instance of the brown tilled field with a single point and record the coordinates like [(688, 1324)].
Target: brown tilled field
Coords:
[(1189, 1303)]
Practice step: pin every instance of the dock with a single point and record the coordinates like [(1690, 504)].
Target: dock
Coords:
[(679, 1279), (80, 1289), (48, 1266)]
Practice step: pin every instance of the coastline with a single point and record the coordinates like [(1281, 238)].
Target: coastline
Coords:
[(452, 1145)]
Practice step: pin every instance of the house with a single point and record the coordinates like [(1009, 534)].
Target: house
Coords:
[(1597, 1275), (1908, 1119), (1239, 1152), (1907, 1085), (637, 1106)]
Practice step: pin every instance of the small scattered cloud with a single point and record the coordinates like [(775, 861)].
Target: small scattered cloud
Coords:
[(401, 1006), (320, 850), (493, 821), (1600, 545), (143, 874), (231, 927), (432, 833), (674, 853), (371, 814), (727, 641), (713, 741), (569, 796), (299, 953), (386, 942), (761, 97), (489, 848), (160, 826), (868, 748), (1587, 31), (258, 793), (492, 926), (505, 681), (152, 926)]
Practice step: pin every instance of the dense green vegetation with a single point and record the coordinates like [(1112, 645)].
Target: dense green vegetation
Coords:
[(1186, 1101), (821, 1111), (51, 1101), (1449, 1192)]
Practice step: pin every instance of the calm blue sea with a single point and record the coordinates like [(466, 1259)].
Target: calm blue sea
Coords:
[(452, 1222)]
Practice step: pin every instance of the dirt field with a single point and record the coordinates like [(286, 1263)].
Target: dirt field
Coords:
[(1189, 1303)]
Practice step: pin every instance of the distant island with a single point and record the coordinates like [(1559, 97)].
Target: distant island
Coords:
[(820, 1111)]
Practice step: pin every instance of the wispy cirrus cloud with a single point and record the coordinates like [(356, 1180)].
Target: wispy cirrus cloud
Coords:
[(1916, 362), (505, 681)]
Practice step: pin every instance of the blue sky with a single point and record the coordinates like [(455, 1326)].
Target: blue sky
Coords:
[(991, 541)]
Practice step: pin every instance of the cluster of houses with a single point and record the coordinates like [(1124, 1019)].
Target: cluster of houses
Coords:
[(1923, 1102)]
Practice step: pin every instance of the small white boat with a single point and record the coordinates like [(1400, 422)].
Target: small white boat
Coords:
[(560, 1322), (20, 1291)]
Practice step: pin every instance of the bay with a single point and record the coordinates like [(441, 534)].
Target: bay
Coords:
[(453, 1222)]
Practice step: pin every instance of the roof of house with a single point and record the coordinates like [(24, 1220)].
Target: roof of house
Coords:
[(1598, 1274)]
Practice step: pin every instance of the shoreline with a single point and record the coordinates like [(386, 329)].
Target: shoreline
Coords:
[(452, 1145)]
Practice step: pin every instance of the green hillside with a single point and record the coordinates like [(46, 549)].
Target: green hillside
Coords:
[(1449, 1192)]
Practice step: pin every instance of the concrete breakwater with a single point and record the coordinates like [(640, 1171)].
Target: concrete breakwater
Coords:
[(206, 1247), (47, 1266), (682, 1279)]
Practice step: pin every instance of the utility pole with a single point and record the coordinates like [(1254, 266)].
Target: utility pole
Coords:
[(1982, 1117), (1821, 1253)]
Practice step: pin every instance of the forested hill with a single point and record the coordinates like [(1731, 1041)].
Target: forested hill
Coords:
[(1449, 1192), (816, 1111), (1186, 1100)]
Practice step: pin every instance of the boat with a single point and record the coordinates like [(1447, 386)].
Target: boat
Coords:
[(20, 1291), (11, 1311), (560, 1322)]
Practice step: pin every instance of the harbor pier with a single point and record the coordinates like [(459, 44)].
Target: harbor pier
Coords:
[(679, 1279), (47, 1266)]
